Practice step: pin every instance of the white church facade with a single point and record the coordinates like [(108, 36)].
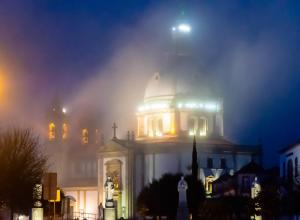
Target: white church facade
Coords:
[(175, 108)]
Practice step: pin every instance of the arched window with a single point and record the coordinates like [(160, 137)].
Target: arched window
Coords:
[(193, 125), (159, 128), (283, 170), (85, 136), (65, 131), (151, 127), (290, 171), (208, 184), (202, 127), (97, 136), (223, 163), (296, 166), (210, 163), (51, 131), (155, 126)]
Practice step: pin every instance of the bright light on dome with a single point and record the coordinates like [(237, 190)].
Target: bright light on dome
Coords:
[(191, 132), (64, 110), (154, 106), (184, 28), (209, 106)]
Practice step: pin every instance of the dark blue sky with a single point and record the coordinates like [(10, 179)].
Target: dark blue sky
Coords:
[(250, 47)]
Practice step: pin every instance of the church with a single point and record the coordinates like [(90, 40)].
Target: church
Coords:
[(177, 107)]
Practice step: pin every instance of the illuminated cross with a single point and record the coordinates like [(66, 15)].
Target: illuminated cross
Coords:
[(114, 127)]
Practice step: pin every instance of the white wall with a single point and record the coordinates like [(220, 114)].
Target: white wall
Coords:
[(166, 163), (290, 154), (86, 199)]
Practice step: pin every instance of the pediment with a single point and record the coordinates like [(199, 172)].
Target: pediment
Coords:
[(112, 147)]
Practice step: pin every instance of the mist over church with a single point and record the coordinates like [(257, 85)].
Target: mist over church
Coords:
[(179, 103)]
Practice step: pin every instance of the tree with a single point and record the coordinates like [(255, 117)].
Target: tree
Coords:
[(268, 201), (160, 198), (227, 207), (194, 185), (195, 194), (194, 161), (21, 167)]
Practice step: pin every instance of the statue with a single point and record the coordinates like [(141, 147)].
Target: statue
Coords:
[(109, 190), (255, 189), (182, 210), (182, 187)]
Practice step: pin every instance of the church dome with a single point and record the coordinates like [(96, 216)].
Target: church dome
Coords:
[(168, 86), (159, 87)]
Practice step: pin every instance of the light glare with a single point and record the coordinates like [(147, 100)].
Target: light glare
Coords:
[(184, 28)]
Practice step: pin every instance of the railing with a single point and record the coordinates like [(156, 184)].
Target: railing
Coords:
[(84, 216)]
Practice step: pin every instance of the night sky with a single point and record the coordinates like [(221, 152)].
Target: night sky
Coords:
[(92, 52)]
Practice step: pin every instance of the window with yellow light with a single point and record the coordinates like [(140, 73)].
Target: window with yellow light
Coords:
[(84, 136), (65, 131), (51, 131)]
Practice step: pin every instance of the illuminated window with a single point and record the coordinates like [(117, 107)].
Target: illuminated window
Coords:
[(193, 125), (202, 126), (159, 128), (208, 184), (65, 131), (85, 136), (151, 127), (51, 131), (155, 126)]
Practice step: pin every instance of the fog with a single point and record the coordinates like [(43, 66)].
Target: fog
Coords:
[(99, 66)]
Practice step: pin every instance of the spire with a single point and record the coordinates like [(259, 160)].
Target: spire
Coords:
[(194, 161), (182, 9)]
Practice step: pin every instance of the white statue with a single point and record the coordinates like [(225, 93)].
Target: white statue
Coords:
[(255, 188), (109, 190), (182, 210), (182, 187)]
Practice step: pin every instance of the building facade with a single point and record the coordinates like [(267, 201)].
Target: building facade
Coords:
[(176, 107), (72, 141), (289, 164)]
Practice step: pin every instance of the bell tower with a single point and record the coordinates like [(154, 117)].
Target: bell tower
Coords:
[(57, 124)]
